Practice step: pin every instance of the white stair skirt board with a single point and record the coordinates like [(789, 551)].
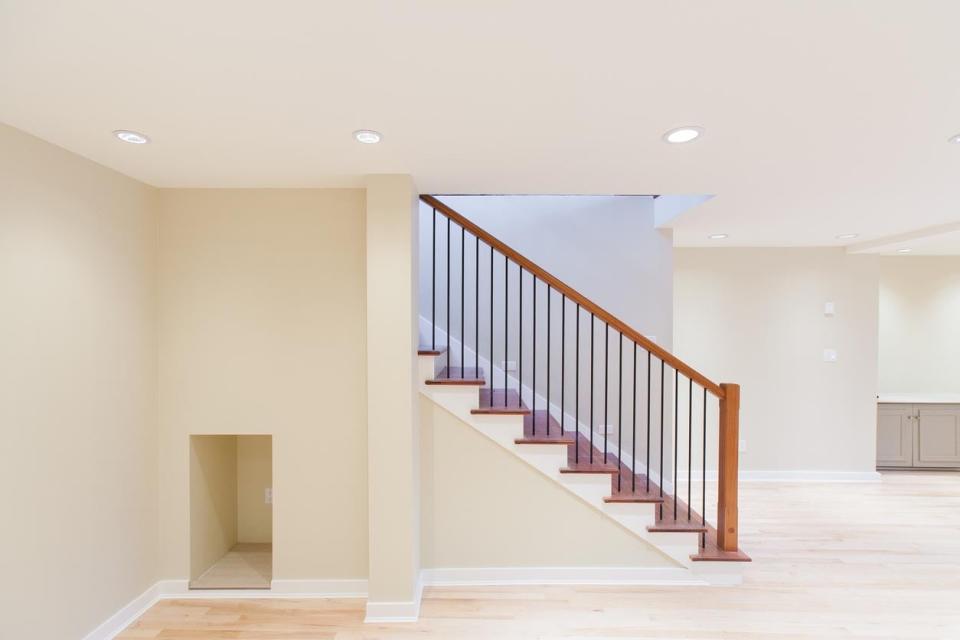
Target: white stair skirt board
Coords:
[(589, 487)]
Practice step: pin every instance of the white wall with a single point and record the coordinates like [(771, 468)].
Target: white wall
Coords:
[(78, 390), (262, 322), (756, 317), (920, 324)]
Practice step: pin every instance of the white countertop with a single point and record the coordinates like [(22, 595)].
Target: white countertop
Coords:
[(918, 398)]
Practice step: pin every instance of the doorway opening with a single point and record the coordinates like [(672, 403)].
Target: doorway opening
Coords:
[(231, 511)]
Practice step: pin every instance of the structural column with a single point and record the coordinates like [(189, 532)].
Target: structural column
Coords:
[(392, 418)]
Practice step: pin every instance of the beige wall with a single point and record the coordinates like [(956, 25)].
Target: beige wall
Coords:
[(756, 317), (78, 380), (213, 500), (262, 322), (920, 324), (392, 420), (254, 475), (483, 507)]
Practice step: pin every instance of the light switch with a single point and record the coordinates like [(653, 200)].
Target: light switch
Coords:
[(829, 355), (828, 309)]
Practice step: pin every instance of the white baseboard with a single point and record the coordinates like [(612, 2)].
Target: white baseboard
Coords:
[(807, 476), (123, 618), (408, 611), (516, 576), (180, 590)]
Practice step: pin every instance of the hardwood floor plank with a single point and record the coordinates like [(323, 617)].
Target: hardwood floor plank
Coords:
[(847, 561)]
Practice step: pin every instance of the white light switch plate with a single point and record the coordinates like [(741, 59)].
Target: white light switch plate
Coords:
[(829, 355), (828, 309)]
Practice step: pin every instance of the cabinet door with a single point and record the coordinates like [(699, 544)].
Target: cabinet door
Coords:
[(895, 435), (938, 436)]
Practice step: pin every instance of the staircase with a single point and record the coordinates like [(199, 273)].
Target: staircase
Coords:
[(629, 428)]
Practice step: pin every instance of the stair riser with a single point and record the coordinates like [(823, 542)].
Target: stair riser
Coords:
[(592, 487), (634, 516), (547, 458)]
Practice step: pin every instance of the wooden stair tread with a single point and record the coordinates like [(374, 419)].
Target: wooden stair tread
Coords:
[(539, 427), (428, 351), (459, 375), (497, 401), (584, 466), (679, 525), (711, 553), (627, 492)]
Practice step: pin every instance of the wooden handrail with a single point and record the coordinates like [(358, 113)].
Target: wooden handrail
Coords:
[(576, 296)]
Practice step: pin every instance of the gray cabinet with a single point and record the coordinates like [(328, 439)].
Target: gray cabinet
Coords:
[(918, 435), (895, 435)]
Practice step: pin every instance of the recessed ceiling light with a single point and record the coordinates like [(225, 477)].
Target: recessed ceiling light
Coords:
[(904, 250), (718, 236), (367, 136), (131, 136), (682, 134), (954, 139), (847, 236)]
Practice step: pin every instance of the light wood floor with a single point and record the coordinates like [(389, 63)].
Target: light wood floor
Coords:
[(246, 566), (830, 561)]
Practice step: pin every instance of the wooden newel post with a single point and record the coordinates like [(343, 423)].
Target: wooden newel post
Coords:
[(727, 526)]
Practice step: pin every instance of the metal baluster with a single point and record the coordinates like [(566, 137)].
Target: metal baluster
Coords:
[(449, 351), (676, 420), (591, 387), (663, 367), (491, 326), (633, 415), (463, 339), (506, 335), (548, 361), (703, 468), (648, 423), (576, 394), (563, 363), (620, 412), (689, 446), (433, 285), (533, 410), (476, 305), (606, 385), (520, 356)]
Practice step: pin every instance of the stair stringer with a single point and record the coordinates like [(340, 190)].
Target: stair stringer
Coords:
[(591, 488)]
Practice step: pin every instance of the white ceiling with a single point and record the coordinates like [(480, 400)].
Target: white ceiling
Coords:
[(822, 116)]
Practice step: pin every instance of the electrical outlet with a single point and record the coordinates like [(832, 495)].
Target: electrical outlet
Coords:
[(509, 365), (268, 495)]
